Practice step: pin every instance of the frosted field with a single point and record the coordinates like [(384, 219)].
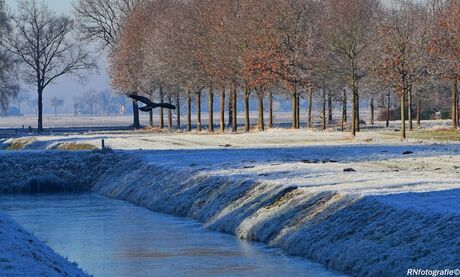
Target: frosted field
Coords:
[(369, 206), (312, 159), (69, 121)]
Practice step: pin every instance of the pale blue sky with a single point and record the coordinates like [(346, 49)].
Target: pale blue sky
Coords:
[(66, 87), (56, 5)]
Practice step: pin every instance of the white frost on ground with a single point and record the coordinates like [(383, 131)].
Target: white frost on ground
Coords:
[(393, 213), (289, 189), (377, 221), (22, 254), (141, 139)]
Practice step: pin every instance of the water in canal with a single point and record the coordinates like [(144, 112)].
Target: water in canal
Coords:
[(114, 238)]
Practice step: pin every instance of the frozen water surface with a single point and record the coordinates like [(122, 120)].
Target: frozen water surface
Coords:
[(114, 238)]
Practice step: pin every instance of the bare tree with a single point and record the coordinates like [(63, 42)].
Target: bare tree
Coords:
[(101, 20), (77, 102), (89, 98), (21, 97), (56, 103), (106, 100), (8, 80), (43, 42), (348, 29)]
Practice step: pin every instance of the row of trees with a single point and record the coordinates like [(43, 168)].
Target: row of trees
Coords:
[(175, 50), (91, 102), (103, 102), (298, 48)]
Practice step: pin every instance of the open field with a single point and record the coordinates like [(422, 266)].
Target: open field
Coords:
[(317, 194)]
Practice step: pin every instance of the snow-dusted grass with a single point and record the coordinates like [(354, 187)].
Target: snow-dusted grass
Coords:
[(287, 189), (437, 135), (46, 171), (22, 254), (378, 221), (435, 131)]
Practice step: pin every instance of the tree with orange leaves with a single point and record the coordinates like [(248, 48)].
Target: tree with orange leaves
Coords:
[(282, 47), (348, 28), (445, 46), (127, 56), (402, 40)]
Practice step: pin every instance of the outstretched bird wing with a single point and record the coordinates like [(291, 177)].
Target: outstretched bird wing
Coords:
[(164, 105), (146, 109), (142, 99)]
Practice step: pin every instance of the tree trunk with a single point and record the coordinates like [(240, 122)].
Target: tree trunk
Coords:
[(353, 108), (419, 111), (310, 108), (178, 123), (222, 111), (151, 119), (358, 119), (189, 112), (297, 110), (162, 123), (247, 123), (344, 109), (329, 111), (261, 121), (151, 111), (388, 109), (169, 113), (270, 115), (40, 109), (234, 111), (294, 110), (409, 108), (230, 110), (372, 111), (211, 111), (455, 104), (198, 111), (323, 104), (403, 116), (136, 121)]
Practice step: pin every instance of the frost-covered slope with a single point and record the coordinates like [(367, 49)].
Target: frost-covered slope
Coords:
[(365, 223), (21, 254), (395, 211), (47, 171)]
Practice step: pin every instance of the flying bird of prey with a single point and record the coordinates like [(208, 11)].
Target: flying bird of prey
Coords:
[(149, 105)]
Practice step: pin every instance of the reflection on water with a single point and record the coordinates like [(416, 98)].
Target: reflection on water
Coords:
[(113, 238)]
